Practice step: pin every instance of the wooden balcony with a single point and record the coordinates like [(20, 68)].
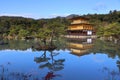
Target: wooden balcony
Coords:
[(75, 28), (80, 27), (79, 22)]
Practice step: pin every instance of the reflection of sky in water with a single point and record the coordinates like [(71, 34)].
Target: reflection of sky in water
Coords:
[(86, 67)]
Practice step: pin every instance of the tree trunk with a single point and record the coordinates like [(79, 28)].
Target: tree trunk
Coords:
[(51, 42), (44, 41)]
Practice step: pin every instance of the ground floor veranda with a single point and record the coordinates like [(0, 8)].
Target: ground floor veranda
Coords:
[(81, 32)]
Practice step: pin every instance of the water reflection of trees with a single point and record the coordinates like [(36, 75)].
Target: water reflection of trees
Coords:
[(118, 64), (44, 60), (110, 74), (105, 47), (25, 44), (7, 74), (17, 44), (48, 61), (100, 46), (112, 50)]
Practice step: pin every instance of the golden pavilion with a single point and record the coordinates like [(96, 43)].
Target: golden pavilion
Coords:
[(80, 27)]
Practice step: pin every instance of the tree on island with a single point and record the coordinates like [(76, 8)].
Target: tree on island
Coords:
[(50, 31)]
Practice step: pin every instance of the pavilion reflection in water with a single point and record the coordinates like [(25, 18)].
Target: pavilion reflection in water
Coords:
[(80, 47)]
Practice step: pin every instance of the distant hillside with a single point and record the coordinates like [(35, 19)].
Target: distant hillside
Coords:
[(19, 27), (105, 24), (71, 16)]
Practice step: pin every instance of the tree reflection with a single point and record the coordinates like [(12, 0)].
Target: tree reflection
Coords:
[(105, 47), (111, 74), (6, 74), (17, 44), (42, 58), (118, 64), (51, 63), (3, 71)]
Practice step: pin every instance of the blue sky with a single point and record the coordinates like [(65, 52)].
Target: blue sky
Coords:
[(52, 8)]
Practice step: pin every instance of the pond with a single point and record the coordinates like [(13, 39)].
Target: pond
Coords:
[(81, 59)]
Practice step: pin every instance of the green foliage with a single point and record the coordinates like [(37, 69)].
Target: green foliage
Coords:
[(56, 28), (23, 33), (112, 29), (23, 27), (14, 30), (104, 19), (104, 24), (43, 33), (100, 31)]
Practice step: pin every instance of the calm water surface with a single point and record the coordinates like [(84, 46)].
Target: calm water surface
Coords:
[(83, 59)]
